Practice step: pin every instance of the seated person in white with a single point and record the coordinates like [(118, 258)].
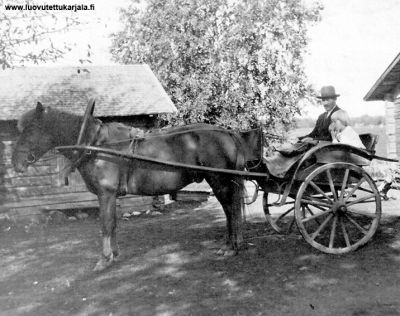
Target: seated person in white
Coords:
[(341, 130)]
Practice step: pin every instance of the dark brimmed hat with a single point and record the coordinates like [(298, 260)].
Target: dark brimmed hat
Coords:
[(328, 92)]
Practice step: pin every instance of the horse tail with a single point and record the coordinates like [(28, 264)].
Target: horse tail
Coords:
[(240, 190)]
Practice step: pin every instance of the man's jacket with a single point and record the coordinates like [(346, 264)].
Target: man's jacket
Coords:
[(321, 129)]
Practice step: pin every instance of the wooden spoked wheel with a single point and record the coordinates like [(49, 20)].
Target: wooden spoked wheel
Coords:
[(338, 208), (284, 223)]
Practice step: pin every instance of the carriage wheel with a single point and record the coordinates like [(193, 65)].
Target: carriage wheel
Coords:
[(338, 208), (284, 223)]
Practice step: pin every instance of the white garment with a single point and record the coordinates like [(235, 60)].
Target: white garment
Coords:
[(348, 136)]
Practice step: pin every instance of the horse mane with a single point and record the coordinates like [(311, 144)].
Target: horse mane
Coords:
[(25, 119), (53, 120)]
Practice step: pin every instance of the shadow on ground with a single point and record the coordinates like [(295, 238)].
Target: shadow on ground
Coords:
[(170, 266)]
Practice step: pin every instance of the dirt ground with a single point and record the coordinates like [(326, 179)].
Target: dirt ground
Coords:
[(170, 266)]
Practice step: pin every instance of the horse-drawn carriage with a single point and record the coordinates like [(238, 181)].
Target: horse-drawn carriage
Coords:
[(336, 204)]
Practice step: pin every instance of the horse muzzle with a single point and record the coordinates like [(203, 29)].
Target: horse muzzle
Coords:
[(20, 167)]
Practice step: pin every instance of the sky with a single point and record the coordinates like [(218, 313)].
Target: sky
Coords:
[(349, 48)]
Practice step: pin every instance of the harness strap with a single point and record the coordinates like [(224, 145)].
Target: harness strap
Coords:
[(135, 135), (74, 164)]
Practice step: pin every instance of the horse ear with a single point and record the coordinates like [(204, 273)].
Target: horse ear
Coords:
[(39, 107)]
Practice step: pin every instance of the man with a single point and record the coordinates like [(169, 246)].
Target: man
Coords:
[(321, 131)]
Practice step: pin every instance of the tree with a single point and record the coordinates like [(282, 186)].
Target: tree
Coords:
[(26, 35), (222, 62)]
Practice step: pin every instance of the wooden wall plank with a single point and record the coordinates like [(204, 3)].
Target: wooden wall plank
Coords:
[(391, 123)]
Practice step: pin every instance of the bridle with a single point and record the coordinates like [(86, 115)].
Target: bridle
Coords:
[(31, 157)]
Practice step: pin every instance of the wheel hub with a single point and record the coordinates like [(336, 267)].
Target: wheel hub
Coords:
[(339, 208)]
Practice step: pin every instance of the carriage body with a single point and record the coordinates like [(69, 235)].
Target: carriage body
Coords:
[(334, 201)]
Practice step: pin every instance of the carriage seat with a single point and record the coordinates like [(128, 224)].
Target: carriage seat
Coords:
[(369, 140)]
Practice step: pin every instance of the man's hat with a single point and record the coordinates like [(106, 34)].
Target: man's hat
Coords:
[(328, 92)]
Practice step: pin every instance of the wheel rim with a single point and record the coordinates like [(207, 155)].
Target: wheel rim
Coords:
[(338, 208), (282, 223)]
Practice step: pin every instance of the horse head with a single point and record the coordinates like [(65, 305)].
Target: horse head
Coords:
[(34, 140)]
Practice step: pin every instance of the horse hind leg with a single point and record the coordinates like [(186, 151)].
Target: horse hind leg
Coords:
[(229, 192)]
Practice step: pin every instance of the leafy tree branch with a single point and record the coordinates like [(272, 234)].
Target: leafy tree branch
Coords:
[(222, 62), (26, 36)]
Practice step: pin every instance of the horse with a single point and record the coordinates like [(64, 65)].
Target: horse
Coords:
[(44, 128)]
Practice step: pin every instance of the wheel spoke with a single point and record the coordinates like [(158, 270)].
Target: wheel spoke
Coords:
[(316, 187), (359, 227), (321, 208), (360, 212), (315, 203), (344, 184), (333, 232), (369, 201), (354, 188), (362, 199), (366, 190), (291, 225), (328, 173), (305, 220), (309, 210), (321, 227), (345, 235), (312, 213), (285, 213)]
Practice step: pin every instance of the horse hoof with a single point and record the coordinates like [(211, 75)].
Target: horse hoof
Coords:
[(226, 252), (122, 191), (230, 253), (102, 264), (116, 253), (116, 257)]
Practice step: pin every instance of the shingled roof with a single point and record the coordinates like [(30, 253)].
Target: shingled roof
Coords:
[(386, 82), (119, 90)]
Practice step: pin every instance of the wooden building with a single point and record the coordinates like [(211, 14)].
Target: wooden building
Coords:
[(387, 88), (126, 93)]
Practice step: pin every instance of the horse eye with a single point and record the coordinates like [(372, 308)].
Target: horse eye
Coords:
[(30, 157)]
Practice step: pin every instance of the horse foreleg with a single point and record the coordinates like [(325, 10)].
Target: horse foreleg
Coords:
[(107, 202)]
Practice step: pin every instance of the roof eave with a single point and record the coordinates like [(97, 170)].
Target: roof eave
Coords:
[(370, 95)]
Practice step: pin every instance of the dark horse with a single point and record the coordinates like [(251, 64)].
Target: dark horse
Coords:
[(44, 128)]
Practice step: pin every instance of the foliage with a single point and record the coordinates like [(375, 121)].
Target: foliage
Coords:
[(25, 35), (222, 62), (368, 120)]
